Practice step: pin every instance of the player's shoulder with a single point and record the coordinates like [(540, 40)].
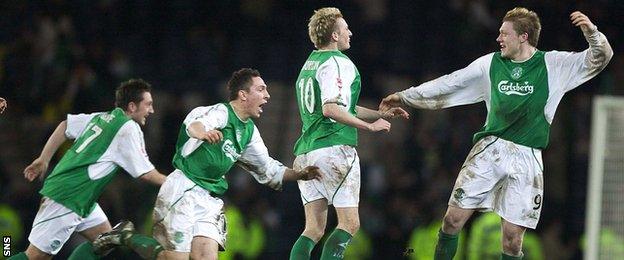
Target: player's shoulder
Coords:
[(207, 109), (130, 127)]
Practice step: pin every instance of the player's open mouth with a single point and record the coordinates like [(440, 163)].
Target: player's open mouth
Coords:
[(260, 107)]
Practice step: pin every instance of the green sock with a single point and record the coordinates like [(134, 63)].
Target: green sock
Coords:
[(446, 247), (508, 257), (83, 251), (336, 244), (146, 247), (20, 256), (302, 248)]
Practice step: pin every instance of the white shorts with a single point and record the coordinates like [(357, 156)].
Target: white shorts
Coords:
[(504, 177), (183, 211), (55, 223), (340, 183)]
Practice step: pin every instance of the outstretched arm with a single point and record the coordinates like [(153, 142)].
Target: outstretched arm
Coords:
[(39, 166), (255, 159), (464, 86), (369, 114), (337, 113)]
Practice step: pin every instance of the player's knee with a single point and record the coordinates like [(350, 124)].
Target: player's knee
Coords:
[(452, 224), (33, 252), (314, 230), (350, 226), (314, 233), (512, 243), (204, 255)]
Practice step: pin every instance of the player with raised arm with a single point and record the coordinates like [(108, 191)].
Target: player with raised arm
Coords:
[(521, 87), (328, 89), (189, 220), (103, 143)]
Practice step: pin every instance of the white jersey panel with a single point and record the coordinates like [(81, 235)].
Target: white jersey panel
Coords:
[(255, 159), (127, 149), (568, 70), (76, 124), (212, 117), (465, 86), (335, 77)]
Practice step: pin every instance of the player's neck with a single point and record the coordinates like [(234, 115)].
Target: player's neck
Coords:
[(329, 47), (526, 52), (237, 106)]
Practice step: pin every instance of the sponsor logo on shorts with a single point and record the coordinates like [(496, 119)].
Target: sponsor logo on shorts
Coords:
[(178, 237), (459, 194), (55, 244)]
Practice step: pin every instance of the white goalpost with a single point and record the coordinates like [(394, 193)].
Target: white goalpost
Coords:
[(604, 218)]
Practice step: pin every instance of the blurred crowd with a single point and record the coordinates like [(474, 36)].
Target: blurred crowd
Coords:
[(63, 56)]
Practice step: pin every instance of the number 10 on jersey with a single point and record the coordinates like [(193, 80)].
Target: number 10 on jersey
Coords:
[(306, 93)]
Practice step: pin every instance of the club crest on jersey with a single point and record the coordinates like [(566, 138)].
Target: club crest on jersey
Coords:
[(515, 88), (516, 73), (230, 151)]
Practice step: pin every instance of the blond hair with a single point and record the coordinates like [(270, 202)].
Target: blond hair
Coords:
[(322, 24), (525, 21)]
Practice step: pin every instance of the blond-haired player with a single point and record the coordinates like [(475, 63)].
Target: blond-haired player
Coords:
[(521, 87)]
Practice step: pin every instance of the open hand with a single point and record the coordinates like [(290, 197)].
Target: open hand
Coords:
[(581, 20), (390, 101), (394, 112)]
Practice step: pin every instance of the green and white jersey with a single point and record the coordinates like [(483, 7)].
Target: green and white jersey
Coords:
[(326, 77), (206, 164), (103, 143), (521, 97)]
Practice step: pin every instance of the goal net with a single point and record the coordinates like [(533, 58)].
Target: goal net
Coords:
[(604, 224)]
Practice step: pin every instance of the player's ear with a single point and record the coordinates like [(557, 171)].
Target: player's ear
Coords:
[(335, 36), (242, 94), (524, 37), (132, 107)]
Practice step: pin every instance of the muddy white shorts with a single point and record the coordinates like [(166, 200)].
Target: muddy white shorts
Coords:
[(55, 223), (340, 184), (504, 177), (183, 211)]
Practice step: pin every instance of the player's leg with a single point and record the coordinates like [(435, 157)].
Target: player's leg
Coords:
[(91, 227), (345, 198), (474, 189), (204, 248), (448, 236), (32, 253), (315, 204), (339, 239), (512, 240), (315, 222), (520, 202), (52, 227)]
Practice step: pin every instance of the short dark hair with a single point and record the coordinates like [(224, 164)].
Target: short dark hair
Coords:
[(241, 80), (131, 91)]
